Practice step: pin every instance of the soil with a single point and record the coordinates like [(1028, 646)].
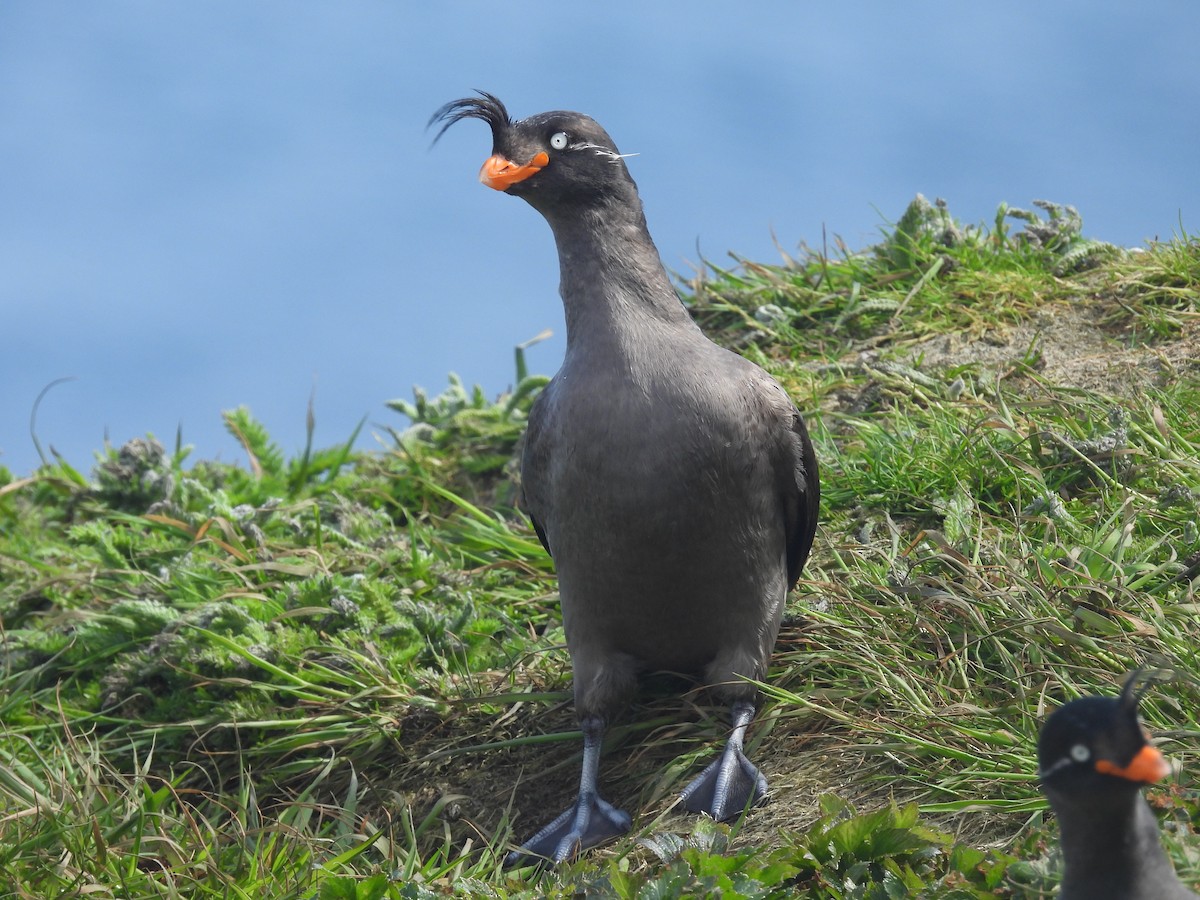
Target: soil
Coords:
[(1070, 346)]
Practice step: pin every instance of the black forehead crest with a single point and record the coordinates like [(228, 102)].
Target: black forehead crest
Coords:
[(1139, 683), (486, 107)]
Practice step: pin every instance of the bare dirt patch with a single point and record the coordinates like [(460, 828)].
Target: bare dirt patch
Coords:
[(1070, 346)]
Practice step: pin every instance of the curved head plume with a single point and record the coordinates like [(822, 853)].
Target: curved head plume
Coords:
[(486, 107), (1140, 681)]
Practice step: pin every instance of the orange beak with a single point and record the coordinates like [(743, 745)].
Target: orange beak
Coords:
[(1148, 766), (499, 173)]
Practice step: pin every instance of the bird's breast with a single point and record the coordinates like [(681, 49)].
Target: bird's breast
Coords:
[(652, 481)]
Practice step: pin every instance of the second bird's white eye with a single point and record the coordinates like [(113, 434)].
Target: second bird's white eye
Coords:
[(558, 140), (1080, 753)]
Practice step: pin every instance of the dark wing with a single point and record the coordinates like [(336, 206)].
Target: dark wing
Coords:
[(535, 459), (537, 527), (801, 488)]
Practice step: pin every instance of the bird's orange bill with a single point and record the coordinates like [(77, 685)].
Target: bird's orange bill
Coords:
[(1148, 766), (500, 173)]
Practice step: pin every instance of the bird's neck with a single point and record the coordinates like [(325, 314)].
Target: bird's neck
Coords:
[(1115, 849), (611, 279)]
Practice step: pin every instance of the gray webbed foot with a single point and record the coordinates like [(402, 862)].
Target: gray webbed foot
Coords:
[(590, 821), (731, 782)]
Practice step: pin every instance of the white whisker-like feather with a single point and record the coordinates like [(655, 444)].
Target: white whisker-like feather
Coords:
[(600, 150)]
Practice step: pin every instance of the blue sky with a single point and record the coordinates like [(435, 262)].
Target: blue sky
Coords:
[(209, 205)]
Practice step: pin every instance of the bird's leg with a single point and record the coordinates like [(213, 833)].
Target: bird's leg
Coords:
[(730, 783), (590, 821)]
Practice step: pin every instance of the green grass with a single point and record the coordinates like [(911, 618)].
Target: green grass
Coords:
[(343, 675)]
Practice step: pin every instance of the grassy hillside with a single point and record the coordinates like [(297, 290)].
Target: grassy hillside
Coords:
[(343, 675)]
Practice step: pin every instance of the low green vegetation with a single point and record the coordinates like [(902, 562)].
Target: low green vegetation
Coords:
[(343, 675)]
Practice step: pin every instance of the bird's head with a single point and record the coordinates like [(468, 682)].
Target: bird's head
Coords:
[(1099, 740), (551, 159)]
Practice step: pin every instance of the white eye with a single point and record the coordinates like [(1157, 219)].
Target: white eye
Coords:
[(1080, 753), (558, 140)]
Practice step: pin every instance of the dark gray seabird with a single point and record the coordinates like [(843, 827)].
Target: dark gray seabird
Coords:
[(672, 481), (1093, 760)]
